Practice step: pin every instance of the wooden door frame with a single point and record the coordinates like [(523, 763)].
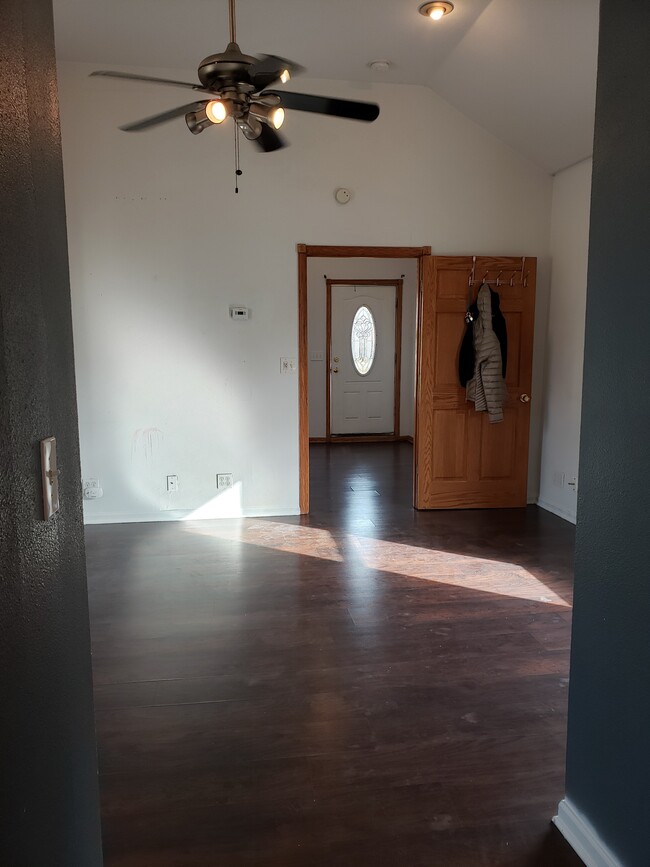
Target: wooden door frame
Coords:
[(399, 290), (311, 251)]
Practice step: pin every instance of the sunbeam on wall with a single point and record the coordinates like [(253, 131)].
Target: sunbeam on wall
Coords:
[(226, 504)]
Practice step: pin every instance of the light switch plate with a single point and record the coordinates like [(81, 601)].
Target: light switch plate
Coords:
[(50, 477), (288, 365)]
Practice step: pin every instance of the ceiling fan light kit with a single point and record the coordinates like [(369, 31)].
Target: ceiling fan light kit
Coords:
[(436, 10), (272, 114), (237, 86), (251, 127), (217, 110), (197, 121)]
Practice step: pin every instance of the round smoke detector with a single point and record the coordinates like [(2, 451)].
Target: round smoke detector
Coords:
[(342, 195)]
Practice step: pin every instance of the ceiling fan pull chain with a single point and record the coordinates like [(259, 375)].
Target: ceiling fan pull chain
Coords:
[(238, 171)]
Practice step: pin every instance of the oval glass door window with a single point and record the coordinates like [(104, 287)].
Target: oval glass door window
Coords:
[(363, 340)]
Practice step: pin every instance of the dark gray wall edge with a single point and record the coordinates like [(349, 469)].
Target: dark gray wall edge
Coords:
[(49, 790), (608, 758)]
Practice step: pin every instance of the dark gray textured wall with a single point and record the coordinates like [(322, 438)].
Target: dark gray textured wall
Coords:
[(608, 760), (49, 815)]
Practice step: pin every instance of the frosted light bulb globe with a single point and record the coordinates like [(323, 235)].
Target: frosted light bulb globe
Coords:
[(216, 111)]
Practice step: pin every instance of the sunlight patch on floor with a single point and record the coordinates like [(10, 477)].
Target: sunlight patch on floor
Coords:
[(286, 538), (427, 564), (460, 570)]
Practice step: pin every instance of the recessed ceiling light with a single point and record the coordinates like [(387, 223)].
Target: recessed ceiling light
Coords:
[(380, 65), (436, 10)]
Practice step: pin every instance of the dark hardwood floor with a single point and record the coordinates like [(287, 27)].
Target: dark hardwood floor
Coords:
[(367, 687)]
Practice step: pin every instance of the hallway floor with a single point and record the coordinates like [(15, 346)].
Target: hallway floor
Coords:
[(366, 687)]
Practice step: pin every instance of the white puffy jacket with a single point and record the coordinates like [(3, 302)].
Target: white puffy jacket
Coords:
[(487, 388)]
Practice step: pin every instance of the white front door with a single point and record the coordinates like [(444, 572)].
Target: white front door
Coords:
[(363, 359)]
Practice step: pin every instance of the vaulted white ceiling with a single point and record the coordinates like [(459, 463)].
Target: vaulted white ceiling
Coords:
[(523, 69)]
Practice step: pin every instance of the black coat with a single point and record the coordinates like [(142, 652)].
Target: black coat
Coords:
[(466, 355)]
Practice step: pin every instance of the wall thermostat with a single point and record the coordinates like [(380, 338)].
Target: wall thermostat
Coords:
[(239, 312), (342, 195)]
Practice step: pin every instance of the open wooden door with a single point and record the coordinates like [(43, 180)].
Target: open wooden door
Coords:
[(463, 461)]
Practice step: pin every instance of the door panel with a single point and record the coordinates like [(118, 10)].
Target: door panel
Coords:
[(513, 373), (362, 404), (452, 282), (449, 334), (376, 400), (450, 432), (498, 447), (463, 461), (351, 404)]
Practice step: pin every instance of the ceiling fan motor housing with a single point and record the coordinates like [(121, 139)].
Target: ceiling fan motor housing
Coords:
[(230, 67)]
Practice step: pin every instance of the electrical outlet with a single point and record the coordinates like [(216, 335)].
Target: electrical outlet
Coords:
[(92, 489), (224, 480), (172, 484), (573, 484)]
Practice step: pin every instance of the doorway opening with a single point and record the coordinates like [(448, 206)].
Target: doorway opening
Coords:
[(358, 313), (362, 374)]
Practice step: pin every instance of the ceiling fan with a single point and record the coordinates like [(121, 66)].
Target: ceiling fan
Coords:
[(238, 87)]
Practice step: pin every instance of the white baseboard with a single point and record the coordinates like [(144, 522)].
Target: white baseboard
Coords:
[(583, 837), (557, 510), (184, 515)]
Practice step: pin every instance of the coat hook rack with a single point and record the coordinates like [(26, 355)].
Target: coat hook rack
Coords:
[(471, 280), (523, 275)]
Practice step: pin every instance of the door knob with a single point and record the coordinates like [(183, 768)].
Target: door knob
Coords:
[(335, 370), (524, 398)]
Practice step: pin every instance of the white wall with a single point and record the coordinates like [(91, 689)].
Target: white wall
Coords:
[(359, 269), (565, 340), (160, 246)]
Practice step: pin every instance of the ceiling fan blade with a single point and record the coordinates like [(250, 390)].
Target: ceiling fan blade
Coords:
[(366, 111), (107, 73), (154, 120), (269, 140), (269, 68)]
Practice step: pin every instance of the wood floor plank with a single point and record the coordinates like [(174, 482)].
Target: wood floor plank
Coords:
[(366, 685)]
